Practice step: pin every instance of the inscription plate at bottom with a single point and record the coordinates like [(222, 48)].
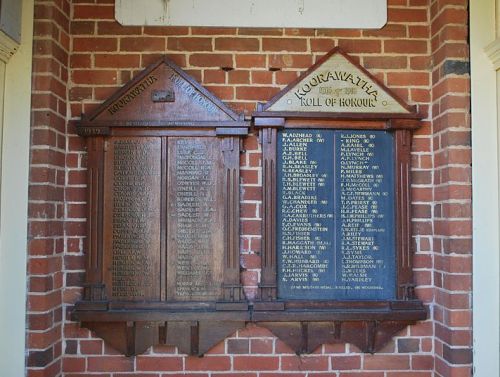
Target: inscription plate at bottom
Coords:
[(195, 246), (336, 215)]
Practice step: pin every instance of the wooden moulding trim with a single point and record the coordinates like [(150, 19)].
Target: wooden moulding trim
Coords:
[(324, 115), (341, 315), (402, 147), (298, 315), (268, 122), (159, 315), (161, 132), (337, 123), (163, 124)]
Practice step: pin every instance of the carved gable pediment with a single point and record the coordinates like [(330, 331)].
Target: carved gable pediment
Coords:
[(161, 95), (337, 84)]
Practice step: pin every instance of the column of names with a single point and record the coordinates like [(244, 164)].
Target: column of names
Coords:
[(306, 219)]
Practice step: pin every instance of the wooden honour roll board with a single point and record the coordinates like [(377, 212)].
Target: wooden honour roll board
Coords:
[(133, 203), (133, 212), (336, 216), (195, 246)]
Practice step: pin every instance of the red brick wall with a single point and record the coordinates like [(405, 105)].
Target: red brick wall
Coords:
[(420, 54), (47, 228), (451, 188)]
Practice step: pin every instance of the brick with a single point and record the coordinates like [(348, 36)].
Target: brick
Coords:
[(260, 31), (299, 32), (189, 44), (386, 362), (345, 362), (73, 364), (213, 30), (238, 346), (285, 77), (262, 77), (238, 77), (360, 46), (94, 77), (80, 61), (40, 359), (385, 62), (389, 30), (251, 142), (252, 193), (407, 46), (407, 15), (214, 76), (113, 28), (117, 61), (282, 44), (410, 374), (408, 345), (338, 33), (250, 261), (237, 44), (141, 44), (222, 92), (259, 93), (449, 16), (91, 347), (255, 363), (279, 61), (261, 346), (457, 355), (82, 27), (250, 61), (251, 227), (249, 176), (322, 45), (211, 60), (39, 322), (46, 339), (213, 363), (154, 363), (98, 12), (408, 78), (110, 363), (292, 363)]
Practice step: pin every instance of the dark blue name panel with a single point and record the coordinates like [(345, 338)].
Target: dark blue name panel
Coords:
[(336, 215)]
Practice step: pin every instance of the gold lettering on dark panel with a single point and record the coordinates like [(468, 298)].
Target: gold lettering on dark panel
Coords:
[(195, 216), (135, 218)]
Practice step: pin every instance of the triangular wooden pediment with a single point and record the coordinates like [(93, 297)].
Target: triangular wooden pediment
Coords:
[(163, 94), (336, 84)]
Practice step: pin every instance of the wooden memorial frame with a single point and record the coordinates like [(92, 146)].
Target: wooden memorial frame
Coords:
[(145, 144), (305, 324)]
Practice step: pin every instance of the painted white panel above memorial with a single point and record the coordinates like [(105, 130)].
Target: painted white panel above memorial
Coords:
[(345, 14), (336, 84)]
